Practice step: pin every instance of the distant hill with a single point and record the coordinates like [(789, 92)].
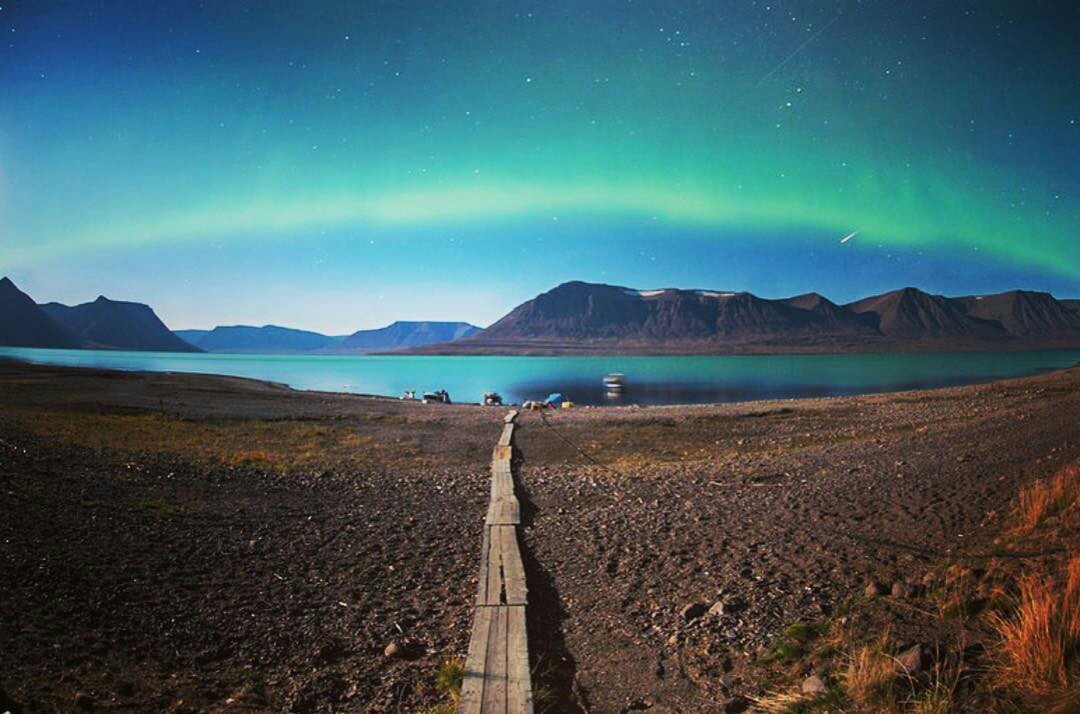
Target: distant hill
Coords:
[(116, 325), (191, 337), (265, 339), (24, 324), (404, 334), (271, 339), (578, 317)]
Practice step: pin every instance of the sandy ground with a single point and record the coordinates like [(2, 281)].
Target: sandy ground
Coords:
[(192, 543)]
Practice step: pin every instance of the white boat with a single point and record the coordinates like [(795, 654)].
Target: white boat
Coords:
[(614, 382)]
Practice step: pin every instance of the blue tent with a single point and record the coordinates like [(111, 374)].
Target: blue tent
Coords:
[(555, 398)]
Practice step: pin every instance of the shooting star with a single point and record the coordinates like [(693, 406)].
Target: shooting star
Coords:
[(798, 49), (849, 236)]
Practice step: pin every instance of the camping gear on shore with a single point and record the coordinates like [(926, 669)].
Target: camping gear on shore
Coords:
[(554, 400), (492, 399), (439, 397), (409, 394), (568, 404)]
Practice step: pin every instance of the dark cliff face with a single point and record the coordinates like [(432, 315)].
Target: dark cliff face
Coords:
[(112, 324), (25, 324)]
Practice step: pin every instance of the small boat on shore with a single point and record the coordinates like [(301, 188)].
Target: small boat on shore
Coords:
[(614, 382)]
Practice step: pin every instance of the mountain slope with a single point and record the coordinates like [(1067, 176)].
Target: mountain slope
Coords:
[(24, 324), (578, 317), (583, 311), (1024, 313), (113, 324), (404, 334), (909, 314), (265, 339)]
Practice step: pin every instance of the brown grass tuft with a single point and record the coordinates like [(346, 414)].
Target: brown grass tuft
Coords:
[(1040, 644), (1048, 497), (871, 676)]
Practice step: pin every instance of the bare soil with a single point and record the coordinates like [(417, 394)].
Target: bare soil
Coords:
[(195, 543)]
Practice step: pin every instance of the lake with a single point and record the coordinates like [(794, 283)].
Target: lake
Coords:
[(649, 380)]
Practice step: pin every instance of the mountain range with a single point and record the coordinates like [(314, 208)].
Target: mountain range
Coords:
[(275, 339), (589, 318), (116, 325)]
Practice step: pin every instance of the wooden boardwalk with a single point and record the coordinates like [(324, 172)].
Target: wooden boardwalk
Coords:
[(497, 675)]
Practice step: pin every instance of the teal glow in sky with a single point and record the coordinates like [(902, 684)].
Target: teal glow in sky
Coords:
[(336, 166)]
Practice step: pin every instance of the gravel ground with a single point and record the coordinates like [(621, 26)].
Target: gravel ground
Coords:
[(194, 543)]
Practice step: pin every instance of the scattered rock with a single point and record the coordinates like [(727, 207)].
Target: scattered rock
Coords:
[(393, 650), (902, 590), (874, 589), (84, 701), (717, 609), (911, 659), (693, 611), (813, 685)]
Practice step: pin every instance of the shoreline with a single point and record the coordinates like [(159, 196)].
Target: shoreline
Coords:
[(900, 389)]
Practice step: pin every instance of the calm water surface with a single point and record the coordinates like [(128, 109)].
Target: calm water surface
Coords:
[(649, 380)]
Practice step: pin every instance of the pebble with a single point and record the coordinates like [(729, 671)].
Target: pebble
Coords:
[(874, 589), (902, 590), (392, 650), (693, 611)]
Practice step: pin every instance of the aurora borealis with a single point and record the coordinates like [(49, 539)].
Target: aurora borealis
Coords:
[(374, 160)]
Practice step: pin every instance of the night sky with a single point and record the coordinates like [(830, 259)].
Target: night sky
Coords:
[(340, 165)]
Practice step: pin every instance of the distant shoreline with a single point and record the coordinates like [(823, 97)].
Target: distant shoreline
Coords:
[(266, 385)]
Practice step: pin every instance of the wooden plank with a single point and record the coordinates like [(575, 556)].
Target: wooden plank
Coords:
[(513, 570), (504, 512), (502, 574), (497, 678), (510, 416), (472, 686), (495, 664), (519, 680)]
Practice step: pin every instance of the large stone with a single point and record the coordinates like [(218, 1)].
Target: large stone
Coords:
[(813, 686), (693, 611), (911, 659)]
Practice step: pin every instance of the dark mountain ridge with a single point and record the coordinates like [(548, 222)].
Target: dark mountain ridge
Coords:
[(24, 324), (578, 317), (116, 325)]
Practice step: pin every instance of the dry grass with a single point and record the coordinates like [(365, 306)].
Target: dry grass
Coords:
[(871, 676), (1048, 497), (277, 445), (940, 695), (1040, 643)]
